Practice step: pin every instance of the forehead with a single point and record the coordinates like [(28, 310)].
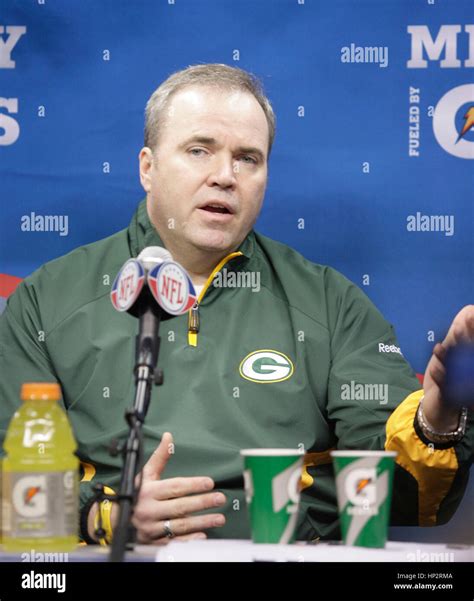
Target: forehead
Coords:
[(214, 112)]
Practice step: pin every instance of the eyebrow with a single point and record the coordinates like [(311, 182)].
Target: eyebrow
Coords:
[(213, 142)]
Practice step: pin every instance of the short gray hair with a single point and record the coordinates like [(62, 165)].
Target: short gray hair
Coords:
[(219, 76)]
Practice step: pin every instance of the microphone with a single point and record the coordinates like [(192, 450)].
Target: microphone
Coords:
[(154, 255), (171, 286), (155, 271), (131, 279), (151, 287)]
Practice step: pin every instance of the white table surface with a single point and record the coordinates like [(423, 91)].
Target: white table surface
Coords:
[(245, 551)]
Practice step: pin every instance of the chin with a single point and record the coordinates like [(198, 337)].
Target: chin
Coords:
[(212, 242)]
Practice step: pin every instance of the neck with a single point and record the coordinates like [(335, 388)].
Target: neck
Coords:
[(199, 272), (198, 263)]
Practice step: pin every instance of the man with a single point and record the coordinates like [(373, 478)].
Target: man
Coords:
[(268, 368)]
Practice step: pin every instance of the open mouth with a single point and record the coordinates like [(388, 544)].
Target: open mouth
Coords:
[(216, 208)]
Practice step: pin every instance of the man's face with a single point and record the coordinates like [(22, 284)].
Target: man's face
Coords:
[(206, 179)]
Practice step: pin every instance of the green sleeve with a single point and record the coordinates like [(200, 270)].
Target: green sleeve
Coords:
[(429, 481), (24, 357), (369, 376), (23, 353)]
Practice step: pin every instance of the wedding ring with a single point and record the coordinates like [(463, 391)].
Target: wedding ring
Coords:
[(167, 529)]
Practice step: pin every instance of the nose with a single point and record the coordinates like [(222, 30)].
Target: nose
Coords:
[(222, 172)]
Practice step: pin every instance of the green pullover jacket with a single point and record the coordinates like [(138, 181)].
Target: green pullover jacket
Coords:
[(284, 353)]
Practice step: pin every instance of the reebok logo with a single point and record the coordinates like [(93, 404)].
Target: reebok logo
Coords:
[(389, 348)]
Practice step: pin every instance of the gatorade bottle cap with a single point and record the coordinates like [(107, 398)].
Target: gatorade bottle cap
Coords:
[(40, 391)]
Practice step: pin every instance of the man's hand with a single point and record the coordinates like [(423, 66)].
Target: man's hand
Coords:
[(173, 499), (441, 417)]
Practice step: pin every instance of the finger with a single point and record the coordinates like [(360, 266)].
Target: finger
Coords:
[(439, 351), (174, 488), (460, 334), (466, 333), (437, 371), (158, 460), (196, 523), (181, 526), (462, 328), (178, 508)]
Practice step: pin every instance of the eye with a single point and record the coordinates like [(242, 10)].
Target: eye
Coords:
[(196, 152), (248, 159)]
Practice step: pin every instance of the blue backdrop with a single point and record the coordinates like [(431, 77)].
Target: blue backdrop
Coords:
[(371, 170)]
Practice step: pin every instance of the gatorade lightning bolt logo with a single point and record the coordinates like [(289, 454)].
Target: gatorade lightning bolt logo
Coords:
[(469, 117), (30, 494), (362, 484), (446, 125)]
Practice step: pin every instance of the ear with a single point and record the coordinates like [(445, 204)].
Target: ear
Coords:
[(145, 160)]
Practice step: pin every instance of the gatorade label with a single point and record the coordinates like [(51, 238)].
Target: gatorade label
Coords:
[(40, 504)]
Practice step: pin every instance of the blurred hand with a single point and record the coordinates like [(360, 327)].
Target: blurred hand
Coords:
[(442, 417)]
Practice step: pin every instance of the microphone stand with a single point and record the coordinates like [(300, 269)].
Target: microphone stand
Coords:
[(147, 350)]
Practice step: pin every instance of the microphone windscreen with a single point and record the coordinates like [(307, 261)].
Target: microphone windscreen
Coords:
[(153, 255)]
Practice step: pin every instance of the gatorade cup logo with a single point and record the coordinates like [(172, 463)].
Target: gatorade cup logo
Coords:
[(364, 488), (364, 495), (361, 491), (29, 496)]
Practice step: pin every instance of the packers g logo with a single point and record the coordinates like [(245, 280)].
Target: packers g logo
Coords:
[(266, 366), (444, 122)]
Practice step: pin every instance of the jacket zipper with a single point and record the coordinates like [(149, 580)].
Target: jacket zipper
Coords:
[(193, 315)]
